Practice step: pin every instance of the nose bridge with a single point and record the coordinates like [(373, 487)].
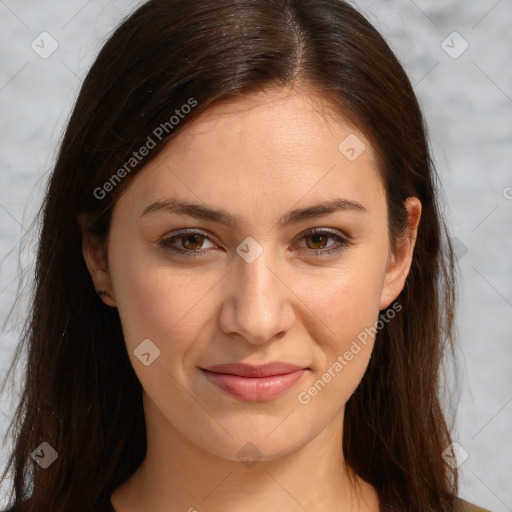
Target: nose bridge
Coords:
[(258, 298)]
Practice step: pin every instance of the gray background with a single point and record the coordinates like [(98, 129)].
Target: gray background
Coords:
[(467, 102)]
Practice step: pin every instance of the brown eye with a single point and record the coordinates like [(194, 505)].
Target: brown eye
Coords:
[(188, 243), (192, 242), (318, 241)]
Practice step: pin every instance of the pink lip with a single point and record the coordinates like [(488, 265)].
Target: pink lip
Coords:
[(254, 383)]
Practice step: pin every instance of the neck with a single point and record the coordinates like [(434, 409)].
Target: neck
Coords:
[(177, 475)]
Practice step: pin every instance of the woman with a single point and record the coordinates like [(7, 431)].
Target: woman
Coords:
[(196, 342)]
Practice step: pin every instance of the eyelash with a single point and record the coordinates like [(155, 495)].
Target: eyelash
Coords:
[(344, 242)]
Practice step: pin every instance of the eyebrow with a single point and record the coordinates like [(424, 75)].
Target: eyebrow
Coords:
[(184, 207)]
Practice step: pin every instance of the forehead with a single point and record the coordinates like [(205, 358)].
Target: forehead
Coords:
[(276, 120), (275, 147)]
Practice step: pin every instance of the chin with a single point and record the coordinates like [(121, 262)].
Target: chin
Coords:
[(254, 437)]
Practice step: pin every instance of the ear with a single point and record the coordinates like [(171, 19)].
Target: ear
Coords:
[(399, 264), (95, 257)]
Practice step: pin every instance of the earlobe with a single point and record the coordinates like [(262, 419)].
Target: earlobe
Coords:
[(399, 264), (95, 258)]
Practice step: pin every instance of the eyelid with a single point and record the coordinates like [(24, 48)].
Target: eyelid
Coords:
[(343, 240)]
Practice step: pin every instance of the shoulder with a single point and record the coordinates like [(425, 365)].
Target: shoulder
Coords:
[(465, 506), (462, 506)]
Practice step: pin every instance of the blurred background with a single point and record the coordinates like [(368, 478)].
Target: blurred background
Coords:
[(457, 54)]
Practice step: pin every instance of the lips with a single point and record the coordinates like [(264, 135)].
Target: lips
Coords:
[(248, 370), (254, 383)]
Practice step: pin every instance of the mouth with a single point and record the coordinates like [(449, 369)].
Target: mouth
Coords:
[(254, 383)]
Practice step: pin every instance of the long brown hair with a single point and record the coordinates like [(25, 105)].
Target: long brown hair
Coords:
[(80, 394)]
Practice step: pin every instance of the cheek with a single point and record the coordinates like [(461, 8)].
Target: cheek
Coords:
[(346, 307), (157, 302), (346, 299)]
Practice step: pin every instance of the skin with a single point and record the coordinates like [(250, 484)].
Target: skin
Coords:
[(258, 157)]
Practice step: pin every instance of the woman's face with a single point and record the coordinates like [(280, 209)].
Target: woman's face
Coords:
[(212, 261)]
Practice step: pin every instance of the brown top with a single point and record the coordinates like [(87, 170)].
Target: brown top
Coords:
[(463, 506)]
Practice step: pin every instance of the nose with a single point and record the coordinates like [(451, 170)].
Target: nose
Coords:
[(258, 301)]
